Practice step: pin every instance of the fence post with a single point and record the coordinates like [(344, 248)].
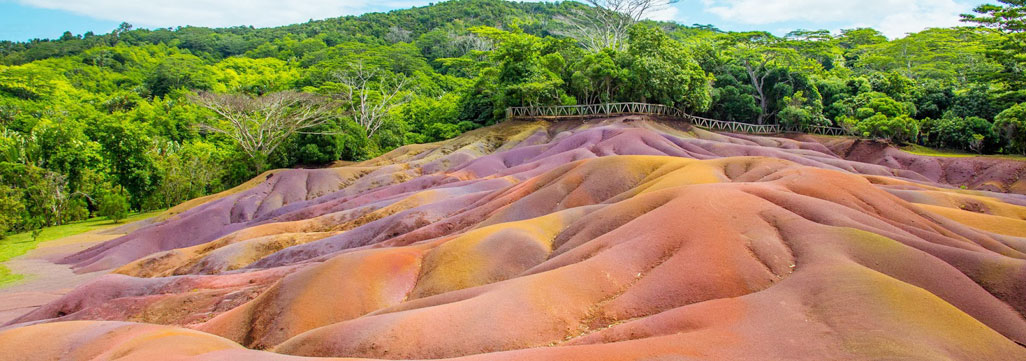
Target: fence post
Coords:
[(609, 109)]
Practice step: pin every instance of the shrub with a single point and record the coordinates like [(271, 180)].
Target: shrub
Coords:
[(969, 133), (1012, 124), (10, 209), (900, 129), (113, 206)]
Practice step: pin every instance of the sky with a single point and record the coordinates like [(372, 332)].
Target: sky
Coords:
[(27, 19)]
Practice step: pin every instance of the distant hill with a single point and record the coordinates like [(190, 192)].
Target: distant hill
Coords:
[(375, 28)]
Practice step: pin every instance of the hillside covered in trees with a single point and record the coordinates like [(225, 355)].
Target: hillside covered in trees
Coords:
[(149, 118)]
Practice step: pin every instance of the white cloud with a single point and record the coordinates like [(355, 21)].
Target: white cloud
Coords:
[(166, 13), (665, 14), (892, 17)]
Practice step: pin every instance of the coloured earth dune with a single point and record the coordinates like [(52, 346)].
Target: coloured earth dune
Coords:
[(611, 239)]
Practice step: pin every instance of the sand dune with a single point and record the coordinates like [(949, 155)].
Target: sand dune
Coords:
[(599, 240)]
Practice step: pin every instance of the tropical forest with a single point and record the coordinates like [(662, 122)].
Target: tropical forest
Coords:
[(404, 184)]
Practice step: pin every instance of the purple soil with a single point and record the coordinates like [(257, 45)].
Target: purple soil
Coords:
[(599, 240)]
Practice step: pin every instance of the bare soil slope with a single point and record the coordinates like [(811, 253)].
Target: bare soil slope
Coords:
[(600, 240)]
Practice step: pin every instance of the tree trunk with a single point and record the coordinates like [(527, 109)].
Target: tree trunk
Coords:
[(764, 107), (758, 84)]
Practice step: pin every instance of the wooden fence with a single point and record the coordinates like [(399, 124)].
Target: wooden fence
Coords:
[(608, 109), (618, 109)]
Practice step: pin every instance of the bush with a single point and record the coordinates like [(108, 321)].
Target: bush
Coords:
[(969, 133), (10, 209), (878, 115), (800, 113), (900, 129), (1012, 124), (113, 206), (77, 210)]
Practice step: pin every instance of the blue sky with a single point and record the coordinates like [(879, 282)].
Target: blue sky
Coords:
[(26, 19)]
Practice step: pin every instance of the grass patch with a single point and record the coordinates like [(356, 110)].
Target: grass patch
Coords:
[(18, 244), (921, 150)]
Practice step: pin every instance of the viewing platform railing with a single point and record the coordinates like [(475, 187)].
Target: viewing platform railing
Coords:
[(618, 109)]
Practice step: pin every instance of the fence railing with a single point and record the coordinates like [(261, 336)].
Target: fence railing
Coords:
[(588, 110), (614, 109)]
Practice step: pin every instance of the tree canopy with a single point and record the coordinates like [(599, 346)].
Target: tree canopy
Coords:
[(147, 114)]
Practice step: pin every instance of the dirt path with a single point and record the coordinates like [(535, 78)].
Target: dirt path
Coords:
[(45, 280)]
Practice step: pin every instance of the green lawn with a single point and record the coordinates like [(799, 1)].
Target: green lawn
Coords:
[(921, 150), (18, 244)]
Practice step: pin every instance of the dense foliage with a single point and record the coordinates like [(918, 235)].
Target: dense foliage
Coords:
[(92, 123), (113, 206)]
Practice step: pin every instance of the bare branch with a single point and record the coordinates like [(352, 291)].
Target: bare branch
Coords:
[(605, 23), (372, 94), (260, 124)]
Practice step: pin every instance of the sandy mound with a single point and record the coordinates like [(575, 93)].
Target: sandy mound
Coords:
[(570, 241)]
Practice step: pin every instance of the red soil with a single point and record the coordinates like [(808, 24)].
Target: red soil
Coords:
[(573, 241)]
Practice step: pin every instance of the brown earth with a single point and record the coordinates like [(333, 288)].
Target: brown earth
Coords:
[(598, 240)]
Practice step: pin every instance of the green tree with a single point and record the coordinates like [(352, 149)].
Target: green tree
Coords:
[(179, 71), (113, 206), (969, 133), (43, 193), (253, 76), (661, 70), (817, 45), (598, 78), (875, 114), (1012, 124), (125, 147), (186, 171), (854, 42), (800, 112), (1008, 17), (11, 209), (64, 148), (949, 56), (433, 118), (859, 37), (761, 56), (522, 76)]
